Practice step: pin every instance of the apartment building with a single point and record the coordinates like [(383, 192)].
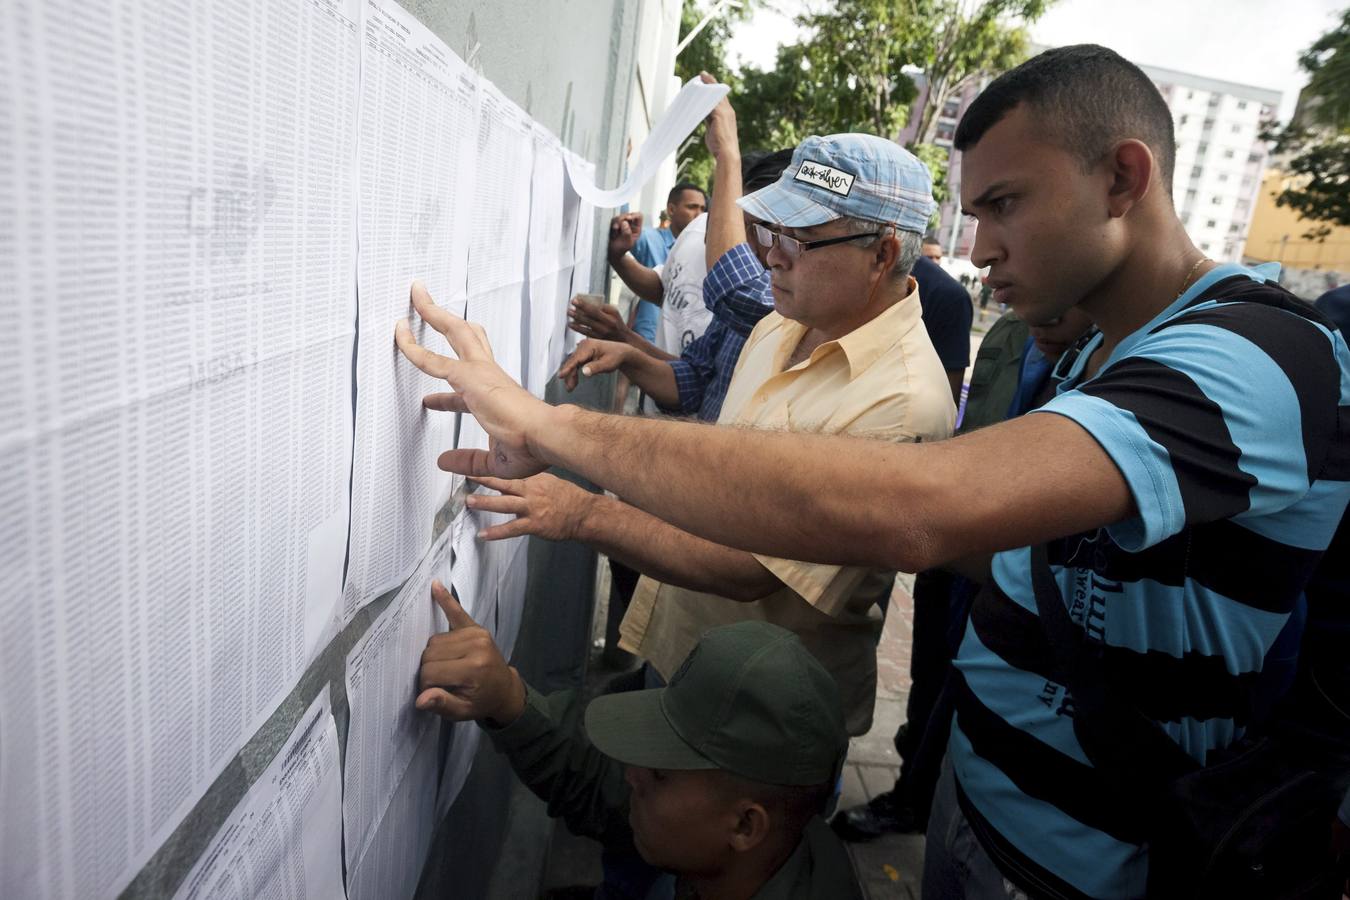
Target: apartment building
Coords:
[(1219, 163), (1220, 156)]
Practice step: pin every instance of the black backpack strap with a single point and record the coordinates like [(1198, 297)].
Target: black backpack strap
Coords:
[(1113, 733)]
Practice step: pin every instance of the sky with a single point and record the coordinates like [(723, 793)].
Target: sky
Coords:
[(1253, 42)]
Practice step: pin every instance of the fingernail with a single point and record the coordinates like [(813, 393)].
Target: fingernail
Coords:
[(470, 501), (585, 370)]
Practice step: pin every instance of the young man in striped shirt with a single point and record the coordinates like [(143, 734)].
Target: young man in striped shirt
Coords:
[(1187, 477)]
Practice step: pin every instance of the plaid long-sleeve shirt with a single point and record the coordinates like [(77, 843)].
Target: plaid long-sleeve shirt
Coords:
[(737, 291)]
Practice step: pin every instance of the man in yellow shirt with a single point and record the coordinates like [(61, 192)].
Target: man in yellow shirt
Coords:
[(844, 352)]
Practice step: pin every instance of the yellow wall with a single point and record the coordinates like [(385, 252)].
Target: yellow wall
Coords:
[(1276, 234)]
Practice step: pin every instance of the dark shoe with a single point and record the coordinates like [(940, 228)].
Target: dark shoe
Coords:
[(884, 814)]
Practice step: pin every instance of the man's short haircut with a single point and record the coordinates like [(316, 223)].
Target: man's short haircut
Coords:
[(680, 188), (931, 239), (1087, 98), (791, 806), (760, 169), (911, 242)]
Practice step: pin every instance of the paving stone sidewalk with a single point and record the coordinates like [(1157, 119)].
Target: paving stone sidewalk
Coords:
[(891, 866)]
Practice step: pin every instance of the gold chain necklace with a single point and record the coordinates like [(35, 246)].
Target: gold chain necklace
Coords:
[(1186, 282)]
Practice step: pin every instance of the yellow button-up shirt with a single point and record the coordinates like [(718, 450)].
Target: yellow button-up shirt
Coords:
[(882, 380)]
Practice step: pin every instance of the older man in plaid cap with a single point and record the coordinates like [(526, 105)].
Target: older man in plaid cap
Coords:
[(844, 352)]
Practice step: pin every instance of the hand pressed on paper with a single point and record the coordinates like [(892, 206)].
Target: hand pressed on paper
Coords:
[(463, 674), (505, 410), (543, 505)]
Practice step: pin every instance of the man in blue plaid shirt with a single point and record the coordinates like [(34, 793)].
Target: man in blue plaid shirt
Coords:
[(736, 290)]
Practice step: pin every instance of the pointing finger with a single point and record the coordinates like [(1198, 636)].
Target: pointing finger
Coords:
[(463, 340), (506, 503), (504, 485), (513, 528), (466, 462), (432, 363), (454, 613), (445, 402)]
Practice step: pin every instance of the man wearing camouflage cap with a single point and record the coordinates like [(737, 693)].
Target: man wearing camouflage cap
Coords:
[(720, 777)]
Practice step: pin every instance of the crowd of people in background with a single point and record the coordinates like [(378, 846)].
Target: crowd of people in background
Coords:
[(1119, 522)]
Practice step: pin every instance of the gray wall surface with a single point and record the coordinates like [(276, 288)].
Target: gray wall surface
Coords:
[(571, 65)]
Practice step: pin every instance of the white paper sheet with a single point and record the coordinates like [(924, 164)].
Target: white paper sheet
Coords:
[(284, 839), (464, 737), (689, 108), (392, 864), (386, 728), (583, 251), (185, 309), (501, 202), (473, 575), (418, 129), (554, 209), (512, 575)]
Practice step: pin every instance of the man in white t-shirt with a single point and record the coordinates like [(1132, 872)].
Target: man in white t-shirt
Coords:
[(676, 285), (684, 315)]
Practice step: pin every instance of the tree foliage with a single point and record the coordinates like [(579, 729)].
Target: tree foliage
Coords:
[(1315, 147), (706, 53), (855, 70), (967, 40)]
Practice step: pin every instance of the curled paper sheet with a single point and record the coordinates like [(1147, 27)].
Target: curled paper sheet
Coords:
[(691, 106)]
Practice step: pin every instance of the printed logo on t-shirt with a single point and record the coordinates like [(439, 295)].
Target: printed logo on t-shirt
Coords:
[(831, 179)]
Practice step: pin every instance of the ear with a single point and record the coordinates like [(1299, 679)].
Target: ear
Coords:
[(752, 826), (887, 253), (1132, 166)]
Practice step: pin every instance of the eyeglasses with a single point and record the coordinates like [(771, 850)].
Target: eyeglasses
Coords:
[(793, 248)]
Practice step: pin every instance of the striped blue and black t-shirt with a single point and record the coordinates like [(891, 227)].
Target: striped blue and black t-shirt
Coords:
[(1230, 421)]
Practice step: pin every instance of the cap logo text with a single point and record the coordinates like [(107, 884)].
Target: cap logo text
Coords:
[(827, 177)]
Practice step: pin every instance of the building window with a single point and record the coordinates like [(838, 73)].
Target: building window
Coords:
[(1242, 104), (1205, 246), (1253, 157), (1215, 200), (1228, 154), (1237, 129), (1210, 223), (1190, 95), (1184, 119), (1234, 228), (1223, 176), (1246, 182), (1196, 171), (1209, 123), (1190, 196)]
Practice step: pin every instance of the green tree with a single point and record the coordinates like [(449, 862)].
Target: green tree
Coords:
[(855, 71), (1315, 147), (967, 40), (706, 53)]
